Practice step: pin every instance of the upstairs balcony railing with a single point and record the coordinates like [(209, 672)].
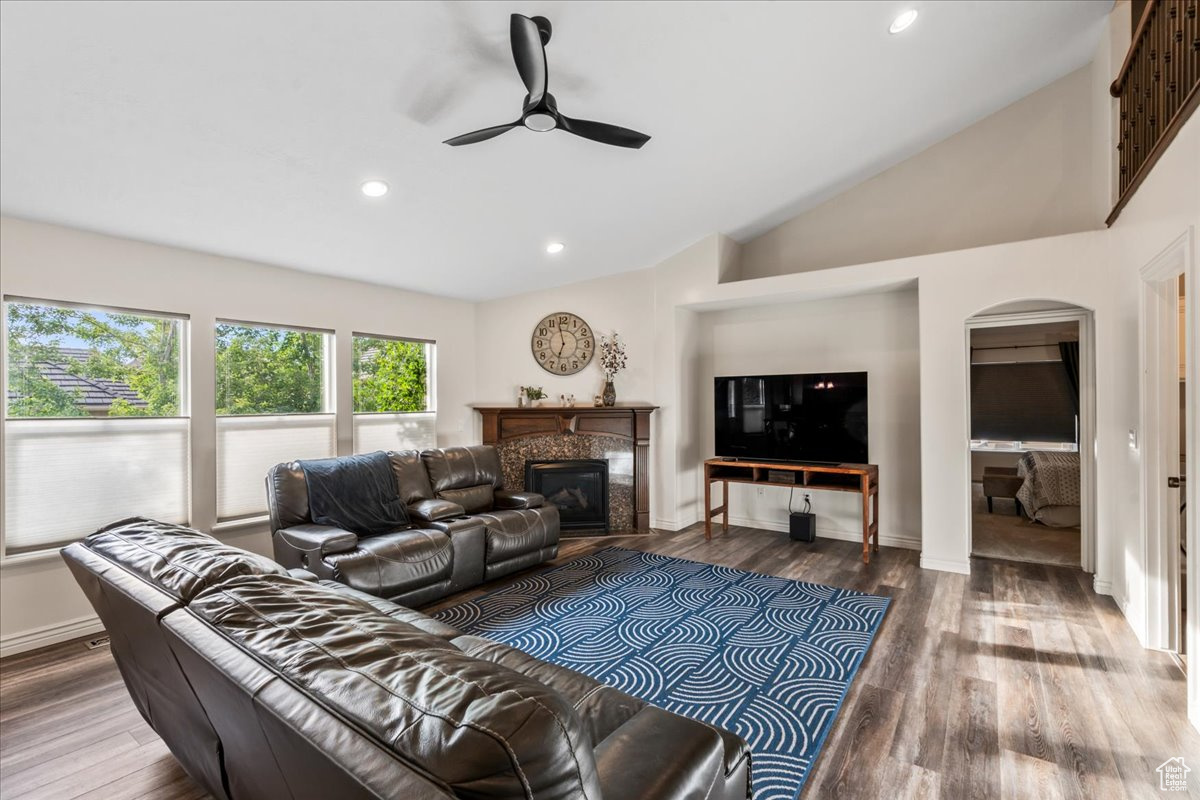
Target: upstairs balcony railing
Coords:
[(1159, 88)]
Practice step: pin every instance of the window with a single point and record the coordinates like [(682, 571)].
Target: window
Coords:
[(273, 405), (96, 424), (1022, 402), (393, 402)]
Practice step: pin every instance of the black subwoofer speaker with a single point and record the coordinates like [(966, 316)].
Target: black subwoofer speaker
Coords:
[(803, 526)]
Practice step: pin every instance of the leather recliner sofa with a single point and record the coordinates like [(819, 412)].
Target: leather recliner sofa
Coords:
[(465, 528), (520, 529), (273, 684)]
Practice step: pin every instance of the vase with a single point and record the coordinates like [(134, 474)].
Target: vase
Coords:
[(610, 394)]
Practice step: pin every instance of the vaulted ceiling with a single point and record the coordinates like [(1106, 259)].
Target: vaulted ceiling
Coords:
[(246, 128)]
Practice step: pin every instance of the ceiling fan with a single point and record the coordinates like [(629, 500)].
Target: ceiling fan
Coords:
[(540, 112)]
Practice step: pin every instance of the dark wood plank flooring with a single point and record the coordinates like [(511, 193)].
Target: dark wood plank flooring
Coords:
[(1017, 682)]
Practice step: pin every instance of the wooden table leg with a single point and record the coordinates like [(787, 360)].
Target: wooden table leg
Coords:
[(725, 505), (875, 514), (866, 518), (707, 509)]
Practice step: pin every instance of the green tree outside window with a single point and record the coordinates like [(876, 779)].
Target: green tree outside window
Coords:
[(53, 351), (390, 375), (269, 370), (138, 353)]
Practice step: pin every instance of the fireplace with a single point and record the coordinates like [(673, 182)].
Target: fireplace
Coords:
[(579, 487), (618, 435)]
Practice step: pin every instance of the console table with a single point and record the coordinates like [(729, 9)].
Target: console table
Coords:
[(862, 479)]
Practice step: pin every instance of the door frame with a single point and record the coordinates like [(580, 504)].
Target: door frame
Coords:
[(1159, 317), (1087, 417)]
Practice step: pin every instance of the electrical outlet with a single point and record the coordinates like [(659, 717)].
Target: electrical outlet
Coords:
[(760, 491)]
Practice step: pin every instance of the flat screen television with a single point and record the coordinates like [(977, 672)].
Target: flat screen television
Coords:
[(817, 417)]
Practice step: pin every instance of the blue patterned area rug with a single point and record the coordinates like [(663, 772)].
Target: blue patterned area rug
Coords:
[(767, 657)]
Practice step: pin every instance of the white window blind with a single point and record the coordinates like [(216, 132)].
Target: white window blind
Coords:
[(249, 446), (394, 432), (67, 477)]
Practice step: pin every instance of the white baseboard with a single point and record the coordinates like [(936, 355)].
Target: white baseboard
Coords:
[(946, 565), (673, 524), (47, 635), (1102, 586), (885, 540)]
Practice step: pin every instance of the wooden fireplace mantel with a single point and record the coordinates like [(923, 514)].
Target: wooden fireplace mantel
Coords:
[(506, 423)]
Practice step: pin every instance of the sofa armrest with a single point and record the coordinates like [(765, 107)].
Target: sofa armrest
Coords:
[(432, 510), (503, 498), (658, 755), (317, 540), (468, 537)]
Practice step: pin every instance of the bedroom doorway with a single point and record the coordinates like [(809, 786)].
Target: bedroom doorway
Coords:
[(1030, 407)]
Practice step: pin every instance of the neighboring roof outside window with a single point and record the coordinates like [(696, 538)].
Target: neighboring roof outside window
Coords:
[(93, 395)]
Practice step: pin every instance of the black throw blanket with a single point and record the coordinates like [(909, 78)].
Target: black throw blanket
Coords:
[(355, 493)]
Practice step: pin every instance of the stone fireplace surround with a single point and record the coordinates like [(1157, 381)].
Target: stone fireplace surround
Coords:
[(618, 434)]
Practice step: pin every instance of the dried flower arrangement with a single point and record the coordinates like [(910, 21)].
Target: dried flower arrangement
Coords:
[(612, 355)]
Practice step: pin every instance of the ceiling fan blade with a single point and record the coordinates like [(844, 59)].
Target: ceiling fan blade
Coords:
[(530, 55), (603, 132), (481, 135)]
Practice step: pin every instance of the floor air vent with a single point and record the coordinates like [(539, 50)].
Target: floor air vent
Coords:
[(98, 642)]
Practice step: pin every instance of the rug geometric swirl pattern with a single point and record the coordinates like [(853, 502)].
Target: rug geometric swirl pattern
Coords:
[(768, 658)]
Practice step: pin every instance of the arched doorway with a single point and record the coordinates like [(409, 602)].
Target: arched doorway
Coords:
[(1031, 433)]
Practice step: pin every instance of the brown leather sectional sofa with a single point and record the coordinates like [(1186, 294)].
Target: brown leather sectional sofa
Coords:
[(270, 683), (466, 528)]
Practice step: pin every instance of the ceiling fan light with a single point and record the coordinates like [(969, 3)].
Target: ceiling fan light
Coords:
[(374, 188), (903, 21), (540, 122)]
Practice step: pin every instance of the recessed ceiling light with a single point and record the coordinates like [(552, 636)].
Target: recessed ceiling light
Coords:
[(374, 188), (555, 247), (903, 21)]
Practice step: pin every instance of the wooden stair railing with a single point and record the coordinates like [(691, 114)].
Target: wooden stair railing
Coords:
[(1159, 88)]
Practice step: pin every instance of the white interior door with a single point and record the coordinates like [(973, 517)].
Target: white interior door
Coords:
[(1168, 433)]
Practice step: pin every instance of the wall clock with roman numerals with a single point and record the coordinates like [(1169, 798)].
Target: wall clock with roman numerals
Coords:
[(563, 343)]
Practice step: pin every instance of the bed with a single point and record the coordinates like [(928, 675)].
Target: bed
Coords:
[(1050, 488)]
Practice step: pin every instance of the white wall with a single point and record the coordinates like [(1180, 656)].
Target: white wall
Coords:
[(1024, 172), (56, 263), (872, 333), (503, 360)]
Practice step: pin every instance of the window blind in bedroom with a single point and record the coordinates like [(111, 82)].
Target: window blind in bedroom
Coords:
[(1022, 402)]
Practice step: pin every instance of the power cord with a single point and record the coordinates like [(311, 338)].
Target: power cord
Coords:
[(807, 502)]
